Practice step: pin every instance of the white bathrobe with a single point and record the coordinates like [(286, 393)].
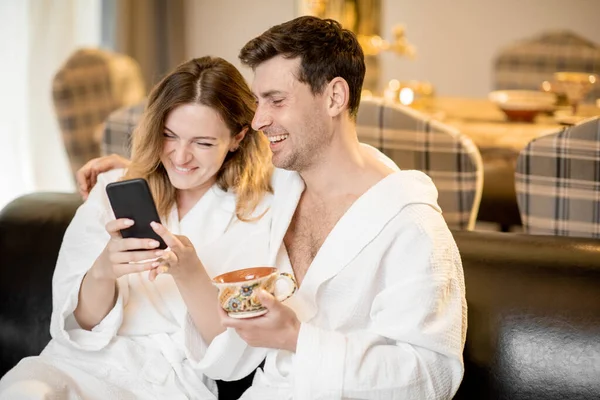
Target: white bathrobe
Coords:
[(382, 305), (146, 347)]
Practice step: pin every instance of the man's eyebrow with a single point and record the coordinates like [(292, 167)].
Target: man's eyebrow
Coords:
[(271, 93), (195, 137)]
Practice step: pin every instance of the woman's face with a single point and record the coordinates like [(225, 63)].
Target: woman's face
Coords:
[(196, 141)]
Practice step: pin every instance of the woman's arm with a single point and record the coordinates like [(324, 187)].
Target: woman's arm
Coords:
[(84, 242), (200, 297), (194, 284), (98, 293)]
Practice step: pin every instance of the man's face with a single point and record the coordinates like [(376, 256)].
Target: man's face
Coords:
[(294, 120)]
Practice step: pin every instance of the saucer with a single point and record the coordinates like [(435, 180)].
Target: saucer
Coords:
[(248, 314), (569, 119)]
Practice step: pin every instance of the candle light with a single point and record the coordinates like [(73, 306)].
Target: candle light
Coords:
[(407, 96)]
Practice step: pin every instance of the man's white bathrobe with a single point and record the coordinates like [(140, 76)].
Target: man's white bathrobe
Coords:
[(382, 305), (146, 347)]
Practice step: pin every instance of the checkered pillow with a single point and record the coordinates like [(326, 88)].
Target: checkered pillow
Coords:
[(86, 89), (414, 141), (558, 182), (116, 136), (526, 64)]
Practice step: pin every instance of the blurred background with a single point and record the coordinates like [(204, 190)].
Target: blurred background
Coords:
[(450, 46)]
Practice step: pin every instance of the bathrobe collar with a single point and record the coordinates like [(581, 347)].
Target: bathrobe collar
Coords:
[(363, 222)]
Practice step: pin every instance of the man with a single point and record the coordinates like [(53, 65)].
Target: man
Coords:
[(380, 311)]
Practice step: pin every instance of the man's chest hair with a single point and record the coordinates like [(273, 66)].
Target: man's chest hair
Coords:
[(310, 226)]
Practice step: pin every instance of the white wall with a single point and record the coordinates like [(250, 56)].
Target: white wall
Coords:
[(222, 27), (456, 40)]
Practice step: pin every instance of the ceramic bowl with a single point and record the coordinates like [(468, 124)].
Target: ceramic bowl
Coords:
[(523, 105)]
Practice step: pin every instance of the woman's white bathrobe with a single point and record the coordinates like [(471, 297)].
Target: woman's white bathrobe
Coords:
[(146, 347), (382, 306)]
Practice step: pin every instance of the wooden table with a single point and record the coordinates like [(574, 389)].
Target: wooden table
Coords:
[(499, 142), (486, 125)]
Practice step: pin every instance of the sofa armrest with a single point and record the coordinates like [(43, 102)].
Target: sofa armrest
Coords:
[(31, 232)]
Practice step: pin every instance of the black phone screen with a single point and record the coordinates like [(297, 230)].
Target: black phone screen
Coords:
[(132, 199)]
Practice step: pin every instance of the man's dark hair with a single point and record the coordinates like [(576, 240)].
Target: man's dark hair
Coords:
[(326, 51)]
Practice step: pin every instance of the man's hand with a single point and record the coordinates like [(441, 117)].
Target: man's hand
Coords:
[(87, 175), (277, 329)]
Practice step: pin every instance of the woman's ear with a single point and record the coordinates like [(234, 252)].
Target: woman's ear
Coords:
[(338, 96), (235, 143)]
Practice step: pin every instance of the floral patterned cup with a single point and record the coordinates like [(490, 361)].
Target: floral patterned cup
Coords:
[(238, 289)]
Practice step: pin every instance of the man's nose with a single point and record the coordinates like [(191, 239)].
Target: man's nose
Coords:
[(261, 119)]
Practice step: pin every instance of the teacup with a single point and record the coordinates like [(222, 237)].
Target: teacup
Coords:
[(238, 290)]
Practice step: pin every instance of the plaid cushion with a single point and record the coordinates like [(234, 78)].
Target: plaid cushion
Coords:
[(116, 135), (526, 64), (415, 141), (86, 89), (558, 182)]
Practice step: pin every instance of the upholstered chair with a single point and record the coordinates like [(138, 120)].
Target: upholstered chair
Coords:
[(557, 181), (87, 88), (415, 141)]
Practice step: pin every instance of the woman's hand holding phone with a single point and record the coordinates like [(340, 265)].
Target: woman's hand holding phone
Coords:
[(97, 295), (118, 259), (181, 260)]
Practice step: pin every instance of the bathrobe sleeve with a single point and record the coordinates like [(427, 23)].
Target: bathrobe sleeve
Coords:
[(84, 240), (227, 358), (412, 348)]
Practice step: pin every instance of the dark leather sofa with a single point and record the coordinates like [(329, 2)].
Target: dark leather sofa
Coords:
[(534, 304)]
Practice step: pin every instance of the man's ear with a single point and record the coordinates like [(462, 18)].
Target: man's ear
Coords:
[(338, 96), (235, 143)]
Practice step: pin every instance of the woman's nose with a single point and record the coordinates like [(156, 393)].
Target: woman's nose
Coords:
[(182, 154)]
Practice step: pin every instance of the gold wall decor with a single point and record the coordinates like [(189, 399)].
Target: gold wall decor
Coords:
[(363, 17)]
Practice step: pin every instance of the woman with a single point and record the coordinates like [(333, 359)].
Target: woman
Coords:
[(130, 323)]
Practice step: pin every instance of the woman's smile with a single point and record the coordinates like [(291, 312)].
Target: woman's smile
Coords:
[(184, 170)]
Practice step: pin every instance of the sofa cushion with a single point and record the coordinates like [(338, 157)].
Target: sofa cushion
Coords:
[(534, 316)]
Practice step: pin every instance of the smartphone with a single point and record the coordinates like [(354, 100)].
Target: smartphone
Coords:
[(132, 199)]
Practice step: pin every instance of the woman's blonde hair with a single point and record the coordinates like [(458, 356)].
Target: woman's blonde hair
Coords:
[(213, 82)]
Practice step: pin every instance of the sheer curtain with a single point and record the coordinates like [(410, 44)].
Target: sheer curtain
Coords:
[(38, 36)]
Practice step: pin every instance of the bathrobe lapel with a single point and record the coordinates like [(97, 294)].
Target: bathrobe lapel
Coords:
[(288, 187), (362, 223)]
